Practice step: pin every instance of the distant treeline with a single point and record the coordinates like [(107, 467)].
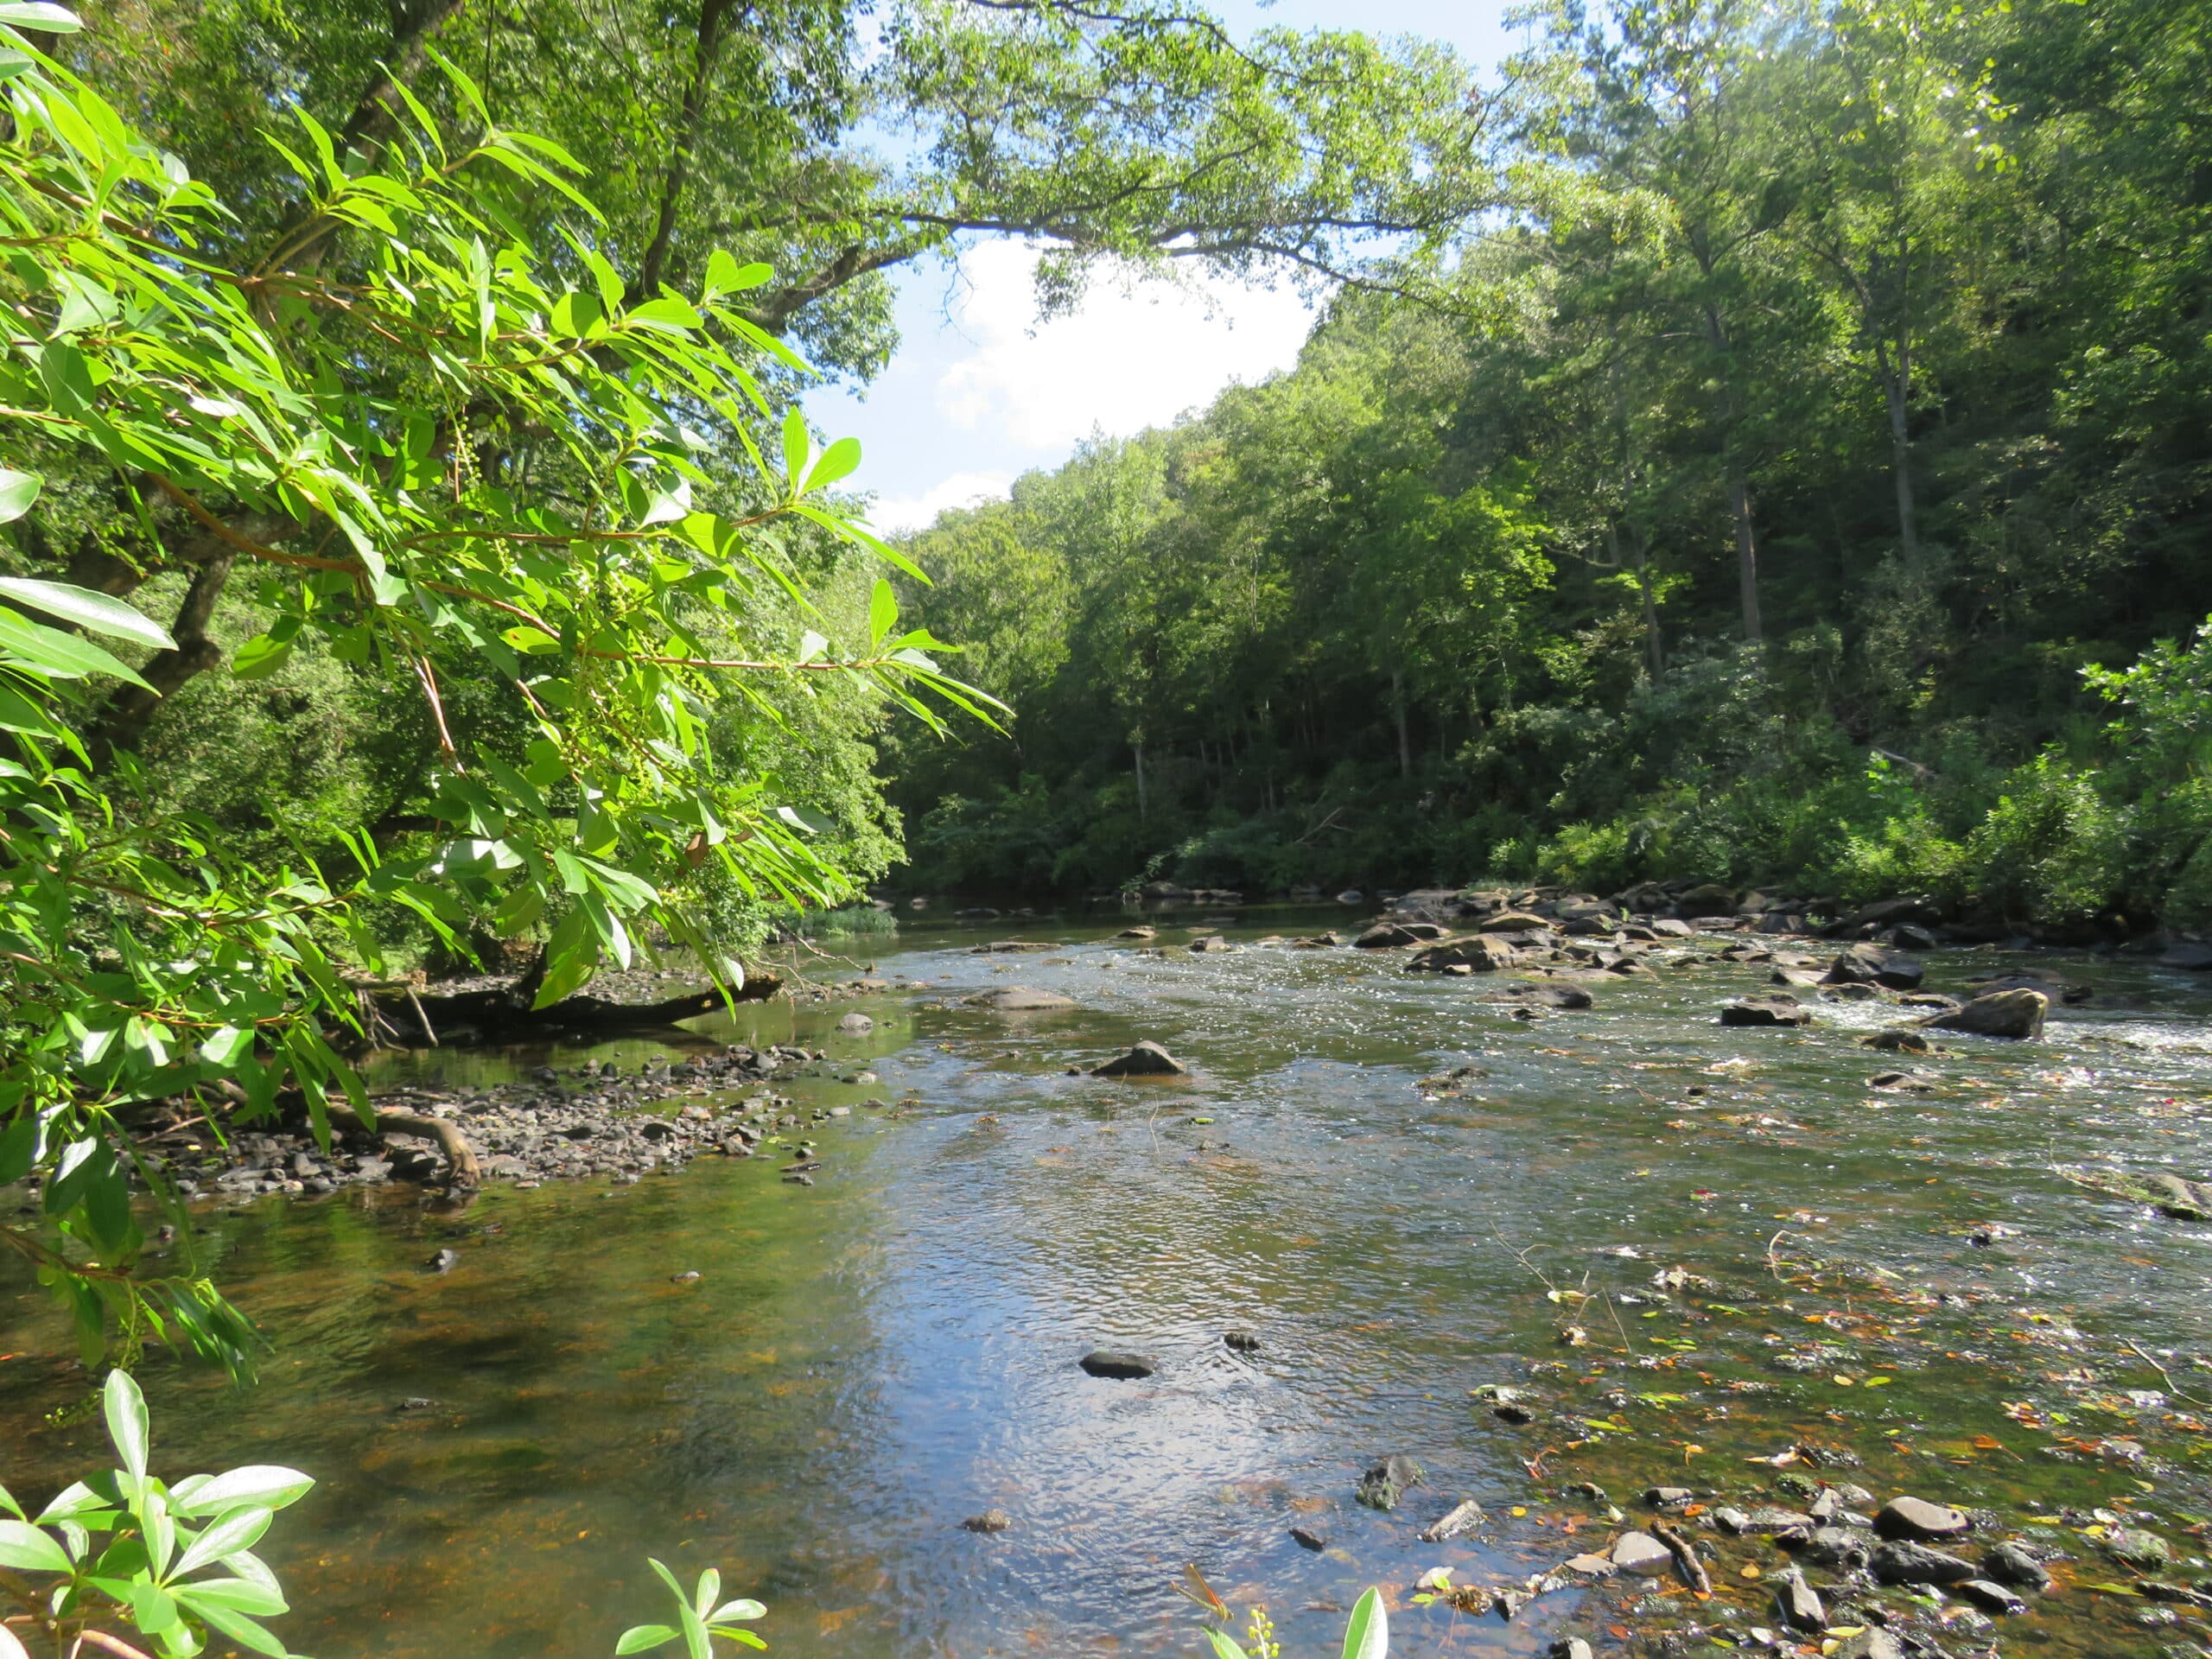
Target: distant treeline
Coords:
[(1761, 496)]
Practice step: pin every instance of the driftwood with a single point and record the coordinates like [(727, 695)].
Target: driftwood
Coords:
[(503, 1015), (1686, 1560), (461, 1167)]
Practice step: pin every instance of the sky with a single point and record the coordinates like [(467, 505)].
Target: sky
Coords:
[(979, 392)]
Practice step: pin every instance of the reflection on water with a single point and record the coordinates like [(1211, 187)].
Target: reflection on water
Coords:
[(863, 1363)]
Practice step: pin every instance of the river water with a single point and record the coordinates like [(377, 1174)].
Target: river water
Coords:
[(863, 1363)]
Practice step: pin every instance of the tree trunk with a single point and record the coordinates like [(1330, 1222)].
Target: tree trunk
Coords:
[(1747, 555), (714, 20), (1398, 710), (1896, 389), (1142, 813), (123, 720), (505, 1013)]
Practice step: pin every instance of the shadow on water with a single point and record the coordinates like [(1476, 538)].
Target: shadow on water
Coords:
[(863, 1363)]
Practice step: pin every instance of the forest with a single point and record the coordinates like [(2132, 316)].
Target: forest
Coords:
[(1797, 476)]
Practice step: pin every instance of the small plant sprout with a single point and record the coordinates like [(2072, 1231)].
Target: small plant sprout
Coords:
[(1366, 1636), (173, 1562), (698, 1619)]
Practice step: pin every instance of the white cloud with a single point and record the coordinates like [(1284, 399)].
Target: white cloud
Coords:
[(894, 514), (1130, 357)]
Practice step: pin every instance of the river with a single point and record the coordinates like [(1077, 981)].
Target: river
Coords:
[(863, 1363)]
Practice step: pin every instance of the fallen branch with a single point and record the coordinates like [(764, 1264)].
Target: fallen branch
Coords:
[(1686, 1560), (461, 1167)]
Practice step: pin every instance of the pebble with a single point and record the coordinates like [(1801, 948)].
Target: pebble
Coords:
[(1307, 1538)]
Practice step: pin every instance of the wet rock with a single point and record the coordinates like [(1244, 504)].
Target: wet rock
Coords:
[(1869, 1643), (1770, 1521), (443, 1262), (988, 1521), (1641, 1554), (1244, 1342), (1477, 954), (1854, 992), (1570, 1647), (1887, 914), (2191, 955), (1897, 1042), (1118, 1365), (1146, 1059), (1918, 1519), (2070, 992), (1382, 1486), (1909, 1563), (1514, 921), (2132, 1547), (1870, 965), (1669, 1498), (1511, 1412), (1455, 1521), (1799, 1605), (691, 1276), (2015, 1565), (416, 1402), (1307, 1538), (1550, 994), (1729, 1518), (1385, 935), (856, 1024), (1138, 933), (1990, 1597), (1773, 1008), (2017, 1014), (1833, 1547), (1019, 999)]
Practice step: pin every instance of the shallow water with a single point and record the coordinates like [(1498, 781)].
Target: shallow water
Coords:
[(865, 1363)]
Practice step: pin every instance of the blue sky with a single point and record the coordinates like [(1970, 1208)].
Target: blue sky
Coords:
[(978, 394)]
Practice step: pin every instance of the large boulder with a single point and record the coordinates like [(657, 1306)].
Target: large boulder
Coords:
[(2190, 954), (1513, 921), (1385, 935), (2068, 991), (2015, 1013), (1019, 999), (1707, 899), (1772, 1008), (1477, 954), (1889, 913), (1146, 1059), (1870, 965)]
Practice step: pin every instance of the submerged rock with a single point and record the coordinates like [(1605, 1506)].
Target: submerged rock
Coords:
[(1990, 1597), (1307, 1538), (1019, 999), (1381, 1487), (1385, 935), (1897, 1042), (1640, 1553), (2015, 1564), (2016, 1014), (1145, 1060), (988, 1521)]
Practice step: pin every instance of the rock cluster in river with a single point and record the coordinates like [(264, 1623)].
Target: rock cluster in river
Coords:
[(593, 1123)]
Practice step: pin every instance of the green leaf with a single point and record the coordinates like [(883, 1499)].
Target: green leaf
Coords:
[(1368, 1635), (153, 1609), (97, 612), (260, 658), (127, 1425), (41, 16), (239, 1530), (239, 1595), (638, 1637), (837, 462), (17, 492), (61, 655), (882, 613), (239, 1628), (744, 1607), (796, 447), (18, 1145), (270, 1485), (726, 276), (1224, 1647), (27, 1549)]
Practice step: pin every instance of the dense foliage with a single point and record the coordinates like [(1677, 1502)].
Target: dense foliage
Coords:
[(463, 472), (1835, 393)]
